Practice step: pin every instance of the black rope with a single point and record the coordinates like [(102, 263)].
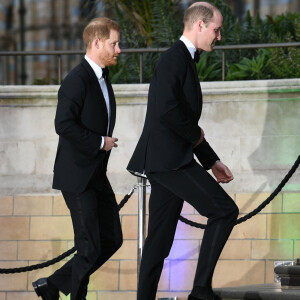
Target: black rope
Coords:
[(260, 207), (38, 266), (60, 257), (181, 218)]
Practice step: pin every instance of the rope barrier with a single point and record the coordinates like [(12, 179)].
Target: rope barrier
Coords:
[(181, 218), (260, 207), (60, 257)]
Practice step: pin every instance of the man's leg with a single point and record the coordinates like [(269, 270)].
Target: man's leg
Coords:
[(97, 236), (164, 210), (83, 209), (110, 226), (198, 188)]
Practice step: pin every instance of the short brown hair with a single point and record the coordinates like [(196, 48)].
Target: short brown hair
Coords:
[(198, 11), (99, 28)]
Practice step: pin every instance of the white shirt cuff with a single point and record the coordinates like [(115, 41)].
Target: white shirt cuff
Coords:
[(102, 143)]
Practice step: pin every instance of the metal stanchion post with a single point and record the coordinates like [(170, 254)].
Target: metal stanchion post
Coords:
[(141, 218)]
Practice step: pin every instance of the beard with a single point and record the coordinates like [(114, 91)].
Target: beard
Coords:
[(109, 59)]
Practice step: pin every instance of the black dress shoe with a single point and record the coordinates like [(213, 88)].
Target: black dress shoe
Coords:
[(42, 289), (213, 297)]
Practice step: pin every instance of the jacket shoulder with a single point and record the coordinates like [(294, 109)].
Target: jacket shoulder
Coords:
[(178, 50), (175, 58), (78, 73), (173, 64), (75, 82)]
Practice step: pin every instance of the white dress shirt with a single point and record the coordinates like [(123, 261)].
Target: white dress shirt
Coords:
[(98, 71), (190, 46)]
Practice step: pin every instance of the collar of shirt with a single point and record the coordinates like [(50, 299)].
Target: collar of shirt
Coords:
[(190, 46), (97, 69)]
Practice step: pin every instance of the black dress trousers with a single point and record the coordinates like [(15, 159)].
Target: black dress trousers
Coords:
[(97, 236), (168, 191)]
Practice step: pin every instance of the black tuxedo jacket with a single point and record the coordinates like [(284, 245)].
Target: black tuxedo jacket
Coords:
[(171, 126), (81, 119)]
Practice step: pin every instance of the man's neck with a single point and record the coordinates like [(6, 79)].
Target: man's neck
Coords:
[(189, 37), (94, 59)]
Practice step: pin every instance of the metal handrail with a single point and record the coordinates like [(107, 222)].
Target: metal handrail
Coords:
[(141, 51)]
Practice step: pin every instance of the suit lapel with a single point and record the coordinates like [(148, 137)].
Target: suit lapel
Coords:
[(112, 103), (192, 67), (96, 83), (199, 92), (94, 79)]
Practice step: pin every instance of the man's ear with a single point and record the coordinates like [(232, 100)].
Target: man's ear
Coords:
[(199, 25), (97, 43)]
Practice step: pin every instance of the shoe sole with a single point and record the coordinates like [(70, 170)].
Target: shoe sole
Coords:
[(36, 289)]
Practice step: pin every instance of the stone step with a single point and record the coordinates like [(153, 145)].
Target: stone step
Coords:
[(272, 291)]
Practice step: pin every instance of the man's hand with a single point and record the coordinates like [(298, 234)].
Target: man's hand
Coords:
[(221, 172), (109, 143), (201, 138)]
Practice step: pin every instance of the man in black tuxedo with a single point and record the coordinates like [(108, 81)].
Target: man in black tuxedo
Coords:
[(165, 151), (85, 119)]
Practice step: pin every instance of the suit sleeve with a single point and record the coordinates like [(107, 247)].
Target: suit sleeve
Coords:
[(205, 154), (171, 106), (71, 97)]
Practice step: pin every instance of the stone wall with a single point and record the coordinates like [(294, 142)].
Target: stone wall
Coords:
[(253, 126), (36, 228)]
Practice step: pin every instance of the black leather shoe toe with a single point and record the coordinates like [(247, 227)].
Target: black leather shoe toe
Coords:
[(209, 297), (42, 289)]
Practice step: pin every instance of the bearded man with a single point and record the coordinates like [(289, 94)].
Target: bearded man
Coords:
[(85, 119)]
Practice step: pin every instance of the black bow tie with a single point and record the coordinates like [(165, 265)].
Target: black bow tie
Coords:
[(105, 73), (197, 56)]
